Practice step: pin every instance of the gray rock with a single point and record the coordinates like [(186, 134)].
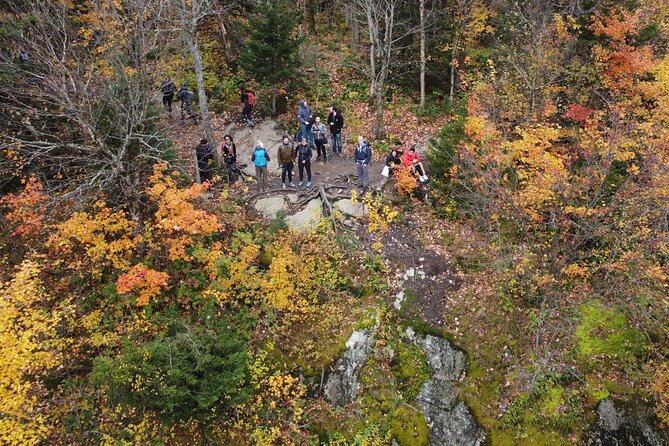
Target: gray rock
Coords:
[(622, 424), (308, 218), (270, 206), (342, 384), (348, 207), (450, 422), (246, 139), (399, 299)]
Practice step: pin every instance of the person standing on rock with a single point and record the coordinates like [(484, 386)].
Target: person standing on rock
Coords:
[(362, 157), (286, 158), (304, 117), (303, 151), (336, 123), (319, 134), (248, 98), (229, 150), (167, 87), (260, 157), (204, 155)]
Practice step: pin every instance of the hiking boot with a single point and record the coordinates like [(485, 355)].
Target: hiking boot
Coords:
[(308, 183), (299, 184), (292, 184), (283, 185), (318, 158)]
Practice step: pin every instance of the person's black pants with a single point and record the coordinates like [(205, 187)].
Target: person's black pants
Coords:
[(320, 149), (167, 101), (301, 165), (419, 169), (287, 168), (205, 174), (247, 113)]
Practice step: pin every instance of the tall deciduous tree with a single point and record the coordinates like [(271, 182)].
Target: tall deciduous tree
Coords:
[(270, 53), (191, 13), (383, 32)]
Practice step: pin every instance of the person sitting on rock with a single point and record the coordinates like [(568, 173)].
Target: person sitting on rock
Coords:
[(393, 161), (412, 160)]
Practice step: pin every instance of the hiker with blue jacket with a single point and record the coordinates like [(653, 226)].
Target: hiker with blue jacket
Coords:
[(303, 152), (260, 157), (362, 157), (305, 118)]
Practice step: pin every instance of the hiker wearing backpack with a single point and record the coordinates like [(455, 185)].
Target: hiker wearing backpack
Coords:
[(167, 87), (303, 151), (336, 122), (363, 156), (186, 97), (260, 157), (304, 118), (248, 98), (286, 157), (319, 135), (204, 155)]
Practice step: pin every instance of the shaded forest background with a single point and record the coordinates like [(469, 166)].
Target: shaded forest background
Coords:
[(139, 308)]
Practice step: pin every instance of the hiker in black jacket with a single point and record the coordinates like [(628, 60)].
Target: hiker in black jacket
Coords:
[(204, 154), (248, 98), (167, 87), (303, 152), (336, 122)]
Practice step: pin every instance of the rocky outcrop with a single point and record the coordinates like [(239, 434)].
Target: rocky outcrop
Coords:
[(308, 218), (342, 384), (450, 422), (623, 425)]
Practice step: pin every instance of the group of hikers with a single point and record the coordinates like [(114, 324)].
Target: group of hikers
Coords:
[(312, 134)]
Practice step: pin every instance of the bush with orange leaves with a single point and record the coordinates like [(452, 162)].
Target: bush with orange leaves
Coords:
[(405, 180), (147, 283), (177, 221), (26, 209)]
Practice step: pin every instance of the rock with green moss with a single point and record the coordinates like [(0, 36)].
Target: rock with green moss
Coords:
[(450, 422)]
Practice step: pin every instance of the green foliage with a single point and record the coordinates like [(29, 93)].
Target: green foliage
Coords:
[(270, 53), (442, 151), (606, 331), (187, 372), (410, 368)]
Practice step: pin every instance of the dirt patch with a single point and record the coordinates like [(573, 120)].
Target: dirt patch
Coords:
[(426, 277)]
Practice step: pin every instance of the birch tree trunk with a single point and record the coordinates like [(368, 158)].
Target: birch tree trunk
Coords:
[(422, 54), (454, 54)]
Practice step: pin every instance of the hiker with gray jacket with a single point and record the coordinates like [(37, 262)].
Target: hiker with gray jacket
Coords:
[(304, 118)]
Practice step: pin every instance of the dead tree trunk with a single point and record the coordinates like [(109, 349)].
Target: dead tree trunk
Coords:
[(422, 54)]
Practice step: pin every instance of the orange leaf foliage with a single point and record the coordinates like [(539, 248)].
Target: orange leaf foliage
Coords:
[(177, 219), (26, 209), (146, 282)]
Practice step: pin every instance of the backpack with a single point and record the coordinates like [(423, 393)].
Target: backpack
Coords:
[(260, 157), (250, 98)]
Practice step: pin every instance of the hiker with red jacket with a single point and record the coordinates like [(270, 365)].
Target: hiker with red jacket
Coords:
[(248, 98), (412, 160)]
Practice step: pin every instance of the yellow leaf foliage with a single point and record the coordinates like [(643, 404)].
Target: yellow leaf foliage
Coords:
[(102, 237), (29, 346)]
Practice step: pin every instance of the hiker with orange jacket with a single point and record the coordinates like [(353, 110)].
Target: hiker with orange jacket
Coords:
[(412, 160)]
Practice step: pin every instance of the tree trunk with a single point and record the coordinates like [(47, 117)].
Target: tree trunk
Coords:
[(422, 54), (273, 103), (191, 42), (225, 40), (311, 16), (454, 53), (197, 168), (379, 131)]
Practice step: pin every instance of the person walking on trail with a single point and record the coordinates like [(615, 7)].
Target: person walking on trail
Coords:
[(303, 151), (168, 88), (229, 150), (286, 158), (304, 118), (260, 157), (412, 160), (248, 98), (186, 97), (336, 123), (319, 134), (204, 155), (362, 157)]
